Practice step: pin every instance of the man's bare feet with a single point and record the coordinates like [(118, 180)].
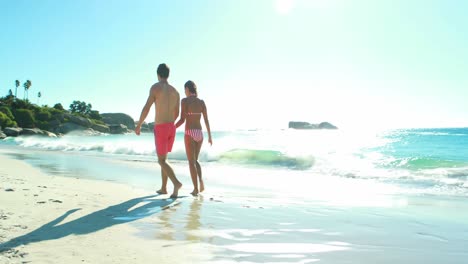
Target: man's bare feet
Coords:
[(161, 191), (177, 187), (202, 186), (194, 193)]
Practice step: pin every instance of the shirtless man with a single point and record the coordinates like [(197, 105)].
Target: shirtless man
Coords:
[(166, 100)]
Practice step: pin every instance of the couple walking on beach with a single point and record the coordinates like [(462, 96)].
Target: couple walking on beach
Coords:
[(167, 103)]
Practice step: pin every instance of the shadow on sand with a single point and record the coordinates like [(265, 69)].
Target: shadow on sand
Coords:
[(99, 220)]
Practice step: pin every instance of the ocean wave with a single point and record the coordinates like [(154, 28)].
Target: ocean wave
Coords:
[(321, 155), (418, 163), (266, 158), (81, 144), (433, 132), (438, 134)]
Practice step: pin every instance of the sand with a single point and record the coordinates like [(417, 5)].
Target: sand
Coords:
[(47, 219), (55, 219)]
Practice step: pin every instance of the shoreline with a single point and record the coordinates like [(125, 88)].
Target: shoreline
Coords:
[(44, 218), (48, 217)]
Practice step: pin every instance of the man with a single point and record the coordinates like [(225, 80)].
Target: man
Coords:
[(166, 100)]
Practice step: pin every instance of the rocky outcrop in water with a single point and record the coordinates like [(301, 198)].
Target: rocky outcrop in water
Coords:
[(18, 131), (12, 131), (118, 129), (306, 125), (101, 128), (85, 126), (68, 127), (36, 132), (82, 121), (119, 119)]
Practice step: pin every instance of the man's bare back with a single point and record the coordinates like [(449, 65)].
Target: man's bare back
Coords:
[(166, 100)]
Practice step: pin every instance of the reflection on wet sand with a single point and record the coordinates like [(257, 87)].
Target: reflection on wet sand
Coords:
[(174, 226), (193, 220)]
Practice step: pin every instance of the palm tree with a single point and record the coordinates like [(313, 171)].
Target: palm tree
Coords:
[(17, 83), (26, 86)]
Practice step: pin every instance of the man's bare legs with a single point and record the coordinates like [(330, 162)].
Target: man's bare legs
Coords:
[(169, 172), (163, 189)]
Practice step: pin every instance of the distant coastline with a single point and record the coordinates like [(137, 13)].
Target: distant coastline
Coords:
[(22, 118)]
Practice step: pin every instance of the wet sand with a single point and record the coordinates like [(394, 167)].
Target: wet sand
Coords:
[(54, 219)]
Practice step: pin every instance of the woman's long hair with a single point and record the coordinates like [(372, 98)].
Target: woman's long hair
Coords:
[(192, 87)]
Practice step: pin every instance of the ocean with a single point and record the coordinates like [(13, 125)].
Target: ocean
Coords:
[(288, 196), (319, 164)]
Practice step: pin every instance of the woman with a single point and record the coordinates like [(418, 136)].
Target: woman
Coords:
[(192, 110)]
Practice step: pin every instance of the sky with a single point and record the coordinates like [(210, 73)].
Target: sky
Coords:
[(257, 64)]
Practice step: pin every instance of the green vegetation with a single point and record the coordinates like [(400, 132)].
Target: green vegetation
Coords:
[(16, 112), (59, 107), (5, 110), (85, 110), (5, 121), (27, 85), (80, 108), (25, 118)]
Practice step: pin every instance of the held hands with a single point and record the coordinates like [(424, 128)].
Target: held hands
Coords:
[(138, 130)]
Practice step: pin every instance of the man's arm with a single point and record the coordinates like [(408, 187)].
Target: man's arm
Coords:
[(177, 107), (145, 111), (182, 115)]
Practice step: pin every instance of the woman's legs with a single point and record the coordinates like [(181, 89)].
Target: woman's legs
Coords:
[(197, 165), (192, 148)]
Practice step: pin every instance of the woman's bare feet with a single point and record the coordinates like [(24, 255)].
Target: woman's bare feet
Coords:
[(177, 187), (202, 186), (194, 193), (161, 191)]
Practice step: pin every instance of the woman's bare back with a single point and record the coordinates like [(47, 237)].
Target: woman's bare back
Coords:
[(194, 109)]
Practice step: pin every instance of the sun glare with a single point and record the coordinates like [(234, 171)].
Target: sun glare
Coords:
[(284, 7)]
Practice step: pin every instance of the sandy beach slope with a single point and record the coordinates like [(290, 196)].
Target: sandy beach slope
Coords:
[(47, 219), (55, 219)]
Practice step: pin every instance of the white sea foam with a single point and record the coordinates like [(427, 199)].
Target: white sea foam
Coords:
[(398, 158)]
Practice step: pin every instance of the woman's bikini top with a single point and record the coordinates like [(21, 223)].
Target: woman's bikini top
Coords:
[(193, 113)]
